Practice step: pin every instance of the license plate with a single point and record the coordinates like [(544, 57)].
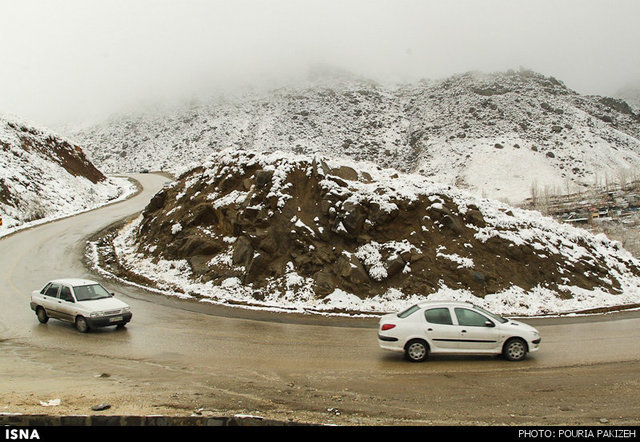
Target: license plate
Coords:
[(115, 319)]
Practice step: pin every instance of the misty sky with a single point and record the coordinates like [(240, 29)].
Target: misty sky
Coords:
[(67, 61)]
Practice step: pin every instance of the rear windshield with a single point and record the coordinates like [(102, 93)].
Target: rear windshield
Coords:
[(91, 292), (408, 311)]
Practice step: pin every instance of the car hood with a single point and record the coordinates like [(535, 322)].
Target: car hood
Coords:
[(98, 305), (517, 325)]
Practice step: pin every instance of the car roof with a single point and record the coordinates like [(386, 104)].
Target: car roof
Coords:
[(443, 303), (73, 282)]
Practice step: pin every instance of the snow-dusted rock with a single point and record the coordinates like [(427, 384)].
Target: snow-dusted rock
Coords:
[(283, 243)]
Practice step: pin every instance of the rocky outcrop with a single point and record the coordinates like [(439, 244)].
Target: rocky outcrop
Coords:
[(294, 225)]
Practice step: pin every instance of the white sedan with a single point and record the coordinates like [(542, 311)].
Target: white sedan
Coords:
[(84, 303), (455, 328)]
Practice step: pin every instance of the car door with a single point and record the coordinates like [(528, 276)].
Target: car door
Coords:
[(50, 300), (66, 304), (477, 332), (442, 334)]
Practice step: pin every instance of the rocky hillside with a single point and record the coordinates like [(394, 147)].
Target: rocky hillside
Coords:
[(292, 232), (630, 94), (495, 134), (44, 176)]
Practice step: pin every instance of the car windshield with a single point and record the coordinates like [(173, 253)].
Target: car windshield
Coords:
[(500, 319), (91, 292)]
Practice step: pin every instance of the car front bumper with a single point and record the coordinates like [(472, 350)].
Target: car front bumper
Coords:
[(106, 321), (534, 345)]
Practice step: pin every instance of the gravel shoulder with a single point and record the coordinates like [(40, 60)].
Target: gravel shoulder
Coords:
[(580, 395)]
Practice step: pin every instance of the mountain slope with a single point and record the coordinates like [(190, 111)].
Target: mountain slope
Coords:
[(630, 94), (44, 176), (496, 134)]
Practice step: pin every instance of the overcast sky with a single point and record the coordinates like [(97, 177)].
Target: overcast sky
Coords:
[(65, 61)]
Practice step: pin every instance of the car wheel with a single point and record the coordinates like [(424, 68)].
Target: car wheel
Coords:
[(417, 350), (515, 349), (42, 315), (82, 325)]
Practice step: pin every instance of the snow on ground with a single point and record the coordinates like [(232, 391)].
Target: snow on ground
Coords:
[(119, 190), (511, 176)]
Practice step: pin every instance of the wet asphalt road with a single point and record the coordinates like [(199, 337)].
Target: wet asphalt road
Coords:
[(246, 352)]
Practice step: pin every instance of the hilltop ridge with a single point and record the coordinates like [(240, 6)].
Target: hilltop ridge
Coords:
[(494, 134)]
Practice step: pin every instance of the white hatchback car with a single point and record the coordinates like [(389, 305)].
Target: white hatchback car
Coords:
[(85, 303), (455, 328)]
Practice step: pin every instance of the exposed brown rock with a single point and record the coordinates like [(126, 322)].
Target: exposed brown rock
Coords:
[(322, 227)]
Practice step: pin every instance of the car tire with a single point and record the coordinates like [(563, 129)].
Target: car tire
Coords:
[(82, 325), (416, 350), (42, 315), (515, 349)]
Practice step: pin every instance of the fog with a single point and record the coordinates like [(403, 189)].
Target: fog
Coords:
[(78, 61)]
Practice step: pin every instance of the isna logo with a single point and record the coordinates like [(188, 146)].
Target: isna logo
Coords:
[(21, 434)]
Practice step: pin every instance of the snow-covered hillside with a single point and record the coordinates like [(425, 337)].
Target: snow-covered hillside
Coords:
[(43, 176), (285, 231), (494, 134)]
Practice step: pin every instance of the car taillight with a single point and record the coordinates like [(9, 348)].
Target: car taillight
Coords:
[(387, 326)]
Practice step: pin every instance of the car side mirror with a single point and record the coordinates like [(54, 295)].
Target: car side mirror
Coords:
[(113, 294), (489, 324)]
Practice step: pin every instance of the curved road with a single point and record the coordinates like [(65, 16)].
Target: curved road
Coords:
[(178, 357)]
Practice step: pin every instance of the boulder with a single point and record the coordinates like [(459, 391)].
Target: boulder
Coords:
[(346, 173), (255, 268), (263, 177), (351, 269), (394, 265), (242, 252), (324, 282), (354, 216)]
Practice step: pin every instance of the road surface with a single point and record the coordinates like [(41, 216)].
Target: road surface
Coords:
[(178, 357)]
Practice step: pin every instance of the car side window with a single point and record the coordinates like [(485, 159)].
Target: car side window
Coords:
[(65, 294), (52, 290), (44, 289), (470, 318), (438, 316)]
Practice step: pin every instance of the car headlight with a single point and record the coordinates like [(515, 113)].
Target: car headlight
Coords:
[(126, 310), (95, 314)]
